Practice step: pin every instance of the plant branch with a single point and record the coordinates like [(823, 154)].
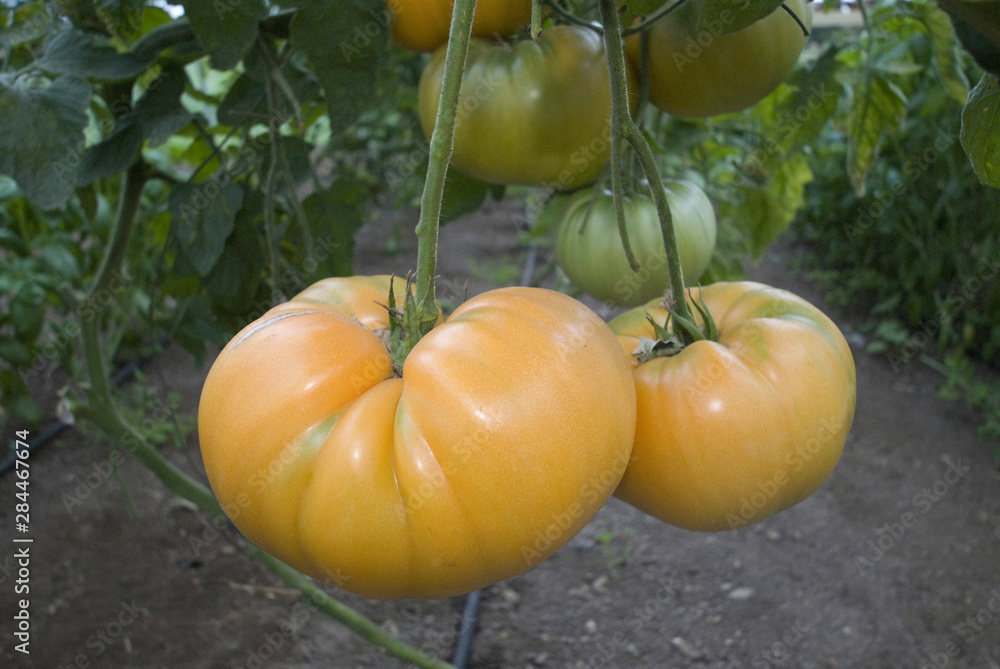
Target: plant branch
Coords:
[(441, 144), (654, 17), (568, 17), (624, 127), (357, 623)]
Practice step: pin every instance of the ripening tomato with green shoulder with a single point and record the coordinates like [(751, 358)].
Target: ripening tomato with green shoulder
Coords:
[(589, 247), (731, 431), (504, 431), (703, 71), (532, 113), (423, 25)]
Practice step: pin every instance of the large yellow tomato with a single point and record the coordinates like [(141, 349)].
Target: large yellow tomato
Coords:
[(423, 25), (511, 425), (730, 432), (704, 72)]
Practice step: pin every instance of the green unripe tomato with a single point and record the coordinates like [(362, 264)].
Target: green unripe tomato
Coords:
[(589, 248)]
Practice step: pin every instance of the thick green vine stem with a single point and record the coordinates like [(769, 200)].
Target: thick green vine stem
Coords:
[(419, 321), (624, 127), (102, 410), (319, 600)]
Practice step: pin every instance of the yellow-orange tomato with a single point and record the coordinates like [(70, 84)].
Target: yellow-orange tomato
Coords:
[(423, 25), (730, 432), (706, 72), (511, 425)]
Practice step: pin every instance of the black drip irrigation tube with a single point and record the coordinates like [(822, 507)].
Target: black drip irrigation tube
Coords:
[(470, 613)]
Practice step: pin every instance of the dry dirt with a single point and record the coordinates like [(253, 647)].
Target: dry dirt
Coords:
[(892, 564)]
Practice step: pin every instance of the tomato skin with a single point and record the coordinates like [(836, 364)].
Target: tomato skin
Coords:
[(589, 248), (423, 25), (510, 427), (730, 432), (533, 114), (707, 74)]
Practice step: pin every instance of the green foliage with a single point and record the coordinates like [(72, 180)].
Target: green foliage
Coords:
[(269, 131), (917, 248)]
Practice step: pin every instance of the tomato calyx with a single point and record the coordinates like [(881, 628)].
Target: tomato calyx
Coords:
[(671, 340), (403, 333)]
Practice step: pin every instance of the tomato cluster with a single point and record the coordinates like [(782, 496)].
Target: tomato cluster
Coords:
[(503, 430)]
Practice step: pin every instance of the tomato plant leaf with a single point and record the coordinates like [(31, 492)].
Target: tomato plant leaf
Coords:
[(720, 17), (345, 43), (85, 55), (947, 53), (227, 29), (879, 108), (977, 26), (767, 209), (244, 102), (981, 130), (156, 116), (463, 195), (800, 117), (203, 218), (41, 135), (334, 214)]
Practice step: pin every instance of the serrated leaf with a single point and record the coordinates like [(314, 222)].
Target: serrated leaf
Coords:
[(947, 53), (87, 55), (720, 17), (977, 26), (61, 261), (156, 116), (345, 43), (15, 352), (981, 130), (878, 108), (335, 214), (244, 102), (768, 209), (203, 218), (227, 29), (30, 22), (41, 134), (801, 116)]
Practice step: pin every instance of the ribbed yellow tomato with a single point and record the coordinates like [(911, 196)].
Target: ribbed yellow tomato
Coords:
[(730, 432), (704, 72), (423, 25), (510, 427)]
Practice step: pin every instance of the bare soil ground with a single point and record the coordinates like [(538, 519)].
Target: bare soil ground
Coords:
[(892, 564)]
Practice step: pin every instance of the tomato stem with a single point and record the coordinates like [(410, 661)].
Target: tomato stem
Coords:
[(419, 321), (624, 127), (536, 18)]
